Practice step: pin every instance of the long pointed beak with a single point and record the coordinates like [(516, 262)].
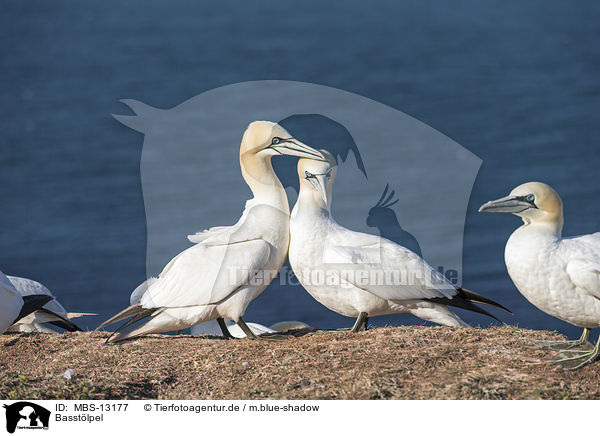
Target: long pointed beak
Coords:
[(320, 184), (509, 204), (293, 147)]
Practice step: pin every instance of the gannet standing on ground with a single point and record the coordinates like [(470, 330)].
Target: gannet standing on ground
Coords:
[(52, 312), (341, 268), (228, 329), (13, 306), (560, 276), (229, 266)]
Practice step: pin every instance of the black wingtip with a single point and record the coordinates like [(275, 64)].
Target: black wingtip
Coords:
[(68, 326), (473, 296), (459, 301), (62, 322), (31, 303)]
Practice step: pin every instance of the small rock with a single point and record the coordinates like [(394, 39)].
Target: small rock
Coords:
[(68, 374), (245, 363)]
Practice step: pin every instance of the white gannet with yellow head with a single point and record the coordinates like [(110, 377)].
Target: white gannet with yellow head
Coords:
[(560, 276), (358, 274), (228, 267)]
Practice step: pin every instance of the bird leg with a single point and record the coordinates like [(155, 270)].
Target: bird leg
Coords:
[(249, 333), (361, 320), (268, 337), (224, 329), (583, 359), (567, 345)]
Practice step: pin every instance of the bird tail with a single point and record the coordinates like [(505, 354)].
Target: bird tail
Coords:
[(61, 321), (473, 296), (132, 310), (119, 336), (461, 303), (464, 299), (135, 312)]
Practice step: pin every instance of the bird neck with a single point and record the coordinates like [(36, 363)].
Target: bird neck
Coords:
[(258, 173), (311, 203), (550, 227)]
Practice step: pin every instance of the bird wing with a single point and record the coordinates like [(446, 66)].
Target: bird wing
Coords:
[(383, 268), (27, 287), (209, 233), (138, 292), (50, 312), (583, 265), (215, 235), (585, 275), (207, 274)]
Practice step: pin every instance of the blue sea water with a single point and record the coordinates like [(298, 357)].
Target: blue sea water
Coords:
[(516, 83)]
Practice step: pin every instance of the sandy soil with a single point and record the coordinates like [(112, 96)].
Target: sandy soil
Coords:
[(392, 362)]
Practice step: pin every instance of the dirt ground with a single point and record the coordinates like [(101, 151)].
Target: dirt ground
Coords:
[(383, 363)]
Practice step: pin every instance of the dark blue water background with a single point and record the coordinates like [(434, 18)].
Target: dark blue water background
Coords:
[(517, 83)]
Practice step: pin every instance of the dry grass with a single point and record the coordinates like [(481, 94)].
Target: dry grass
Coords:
[(393, 362)]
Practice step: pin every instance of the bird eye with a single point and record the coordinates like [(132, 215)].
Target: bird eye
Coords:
[(275, 140), (530, 198), (308, 175)]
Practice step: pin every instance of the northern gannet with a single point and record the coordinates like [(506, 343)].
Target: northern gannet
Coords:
[(13, 306), (560, 276), (229, 266), (52, 312), (358, 274), (227, 328)]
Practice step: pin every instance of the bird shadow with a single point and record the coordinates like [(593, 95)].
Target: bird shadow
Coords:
[(383, 217), (319, 132)]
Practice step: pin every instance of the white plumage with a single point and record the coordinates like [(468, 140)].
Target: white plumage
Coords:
[(213, 328), (560, 276), (51, 312), (11, 303), (229, 266), (357, 274)]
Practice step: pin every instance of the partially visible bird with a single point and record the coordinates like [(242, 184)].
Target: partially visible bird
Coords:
[(213, 328), (50, 313), (13, 306), (229, 266), (560, 276), (361, 275)]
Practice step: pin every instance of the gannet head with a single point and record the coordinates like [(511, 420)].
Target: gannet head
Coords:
[(318, 176), (266, 139), (534, 202)]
